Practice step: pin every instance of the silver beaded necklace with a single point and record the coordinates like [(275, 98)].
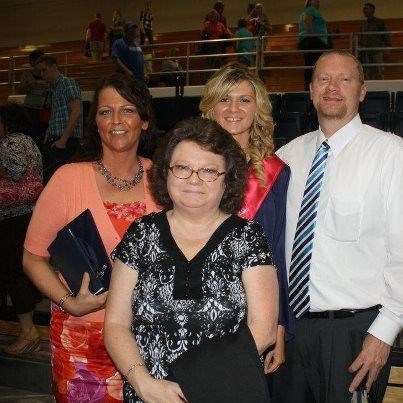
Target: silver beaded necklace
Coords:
[(120, 183)]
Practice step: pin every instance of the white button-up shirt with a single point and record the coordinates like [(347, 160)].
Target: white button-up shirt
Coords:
[(357, 259)]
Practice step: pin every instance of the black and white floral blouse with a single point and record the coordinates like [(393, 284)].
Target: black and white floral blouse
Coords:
[(17, 151), (179, 303)]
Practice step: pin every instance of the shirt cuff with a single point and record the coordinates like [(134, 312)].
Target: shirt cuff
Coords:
[(385, 327)]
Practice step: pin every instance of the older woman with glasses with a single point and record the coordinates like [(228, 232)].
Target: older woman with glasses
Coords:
[(192, 275)]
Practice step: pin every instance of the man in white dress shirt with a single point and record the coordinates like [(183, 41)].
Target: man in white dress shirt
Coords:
[(355, 282)]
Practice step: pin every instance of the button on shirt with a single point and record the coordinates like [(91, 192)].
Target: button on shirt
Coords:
[(357, 259), (64, 90)]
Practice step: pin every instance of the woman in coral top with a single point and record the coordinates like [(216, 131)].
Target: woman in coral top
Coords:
[(109, 180)]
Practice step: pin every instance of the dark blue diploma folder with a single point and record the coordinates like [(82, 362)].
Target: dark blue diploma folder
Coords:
[(78, 248)]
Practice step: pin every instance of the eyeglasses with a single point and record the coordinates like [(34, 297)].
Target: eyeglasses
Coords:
[(204, 174)]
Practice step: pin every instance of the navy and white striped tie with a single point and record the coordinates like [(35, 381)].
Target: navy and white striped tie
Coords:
[(304, 235)]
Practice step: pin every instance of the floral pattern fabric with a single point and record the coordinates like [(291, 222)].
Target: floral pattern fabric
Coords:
[(17, 153), (81, 368), (122, 215), (179, 303)]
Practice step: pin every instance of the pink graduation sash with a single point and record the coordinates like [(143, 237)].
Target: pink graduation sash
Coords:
[(255, 194)]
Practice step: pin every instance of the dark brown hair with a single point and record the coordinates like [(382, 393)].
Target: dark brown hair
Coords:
[(133, 90), (14, 118), (210, 136), (48, 60)]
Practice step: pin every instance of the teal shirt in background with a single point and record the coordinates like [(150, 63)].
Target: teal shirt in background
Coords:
[(318, 24), (245, 46)]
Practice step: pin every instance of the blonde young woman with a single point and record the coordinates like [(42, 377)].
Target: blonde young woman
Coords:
[(239, 102)]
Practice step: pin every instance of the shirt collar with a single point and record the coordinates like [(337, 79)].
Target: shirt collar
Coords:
[(342, 137)]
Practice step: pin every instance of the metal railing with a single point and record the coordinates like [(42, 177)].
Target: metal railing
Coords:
[(358, 48), (12, 69), (264, 56)]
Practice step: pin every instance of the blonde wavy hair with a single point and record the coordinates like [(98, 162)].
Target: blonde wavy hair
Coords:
[(261, 144)]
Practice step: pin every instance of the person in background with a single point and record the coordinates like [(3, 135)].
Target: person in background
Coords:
[(258, 22), (146, 24), (238, 101), (96, 34), (171, 64), (199, 272), (343, 246), (37, 100), (66, 120), (108, 180), (373, 24), (213, 29), (312, 35), (219, 7), (127, 55), (116, 29), (249, 8), (19, 157), (246, 45)]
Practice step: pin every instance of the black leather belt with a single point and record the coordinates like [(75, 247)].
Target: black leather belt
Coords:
[(340, 314)]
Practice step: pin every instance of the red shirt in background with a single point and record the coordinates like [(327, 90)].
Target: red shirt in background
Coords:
[(97, 30), (214, 31)]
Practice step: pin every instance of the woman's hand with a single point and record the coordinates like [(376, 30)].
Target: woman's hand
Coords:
[(152, 390), (276, 356), (85, 302)]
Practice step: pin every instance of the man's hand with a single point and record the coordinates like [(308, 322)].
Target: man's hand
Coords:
[(60, 143), (371, 359)]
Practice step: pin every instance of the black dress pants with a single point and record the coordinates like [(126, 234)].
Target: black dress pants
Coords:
[(317, 361)]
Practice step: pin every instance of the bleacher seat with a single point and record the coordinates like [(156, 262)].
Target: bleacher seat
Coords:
[(397, 126), (398, 123), (165, 112), (375, 109), (169, 111), (188, 107), (287, 127), (275, 100), (300, 102), (376, 120), (398, 101)]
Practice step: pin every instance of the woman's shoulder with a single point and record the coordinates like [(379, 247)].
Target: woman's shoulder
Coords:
[(19, 140), (149, 222), (74, 172), (281, 170), (274, 162), (14, 138), (74, 167), (244, 225), (151, 218)]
